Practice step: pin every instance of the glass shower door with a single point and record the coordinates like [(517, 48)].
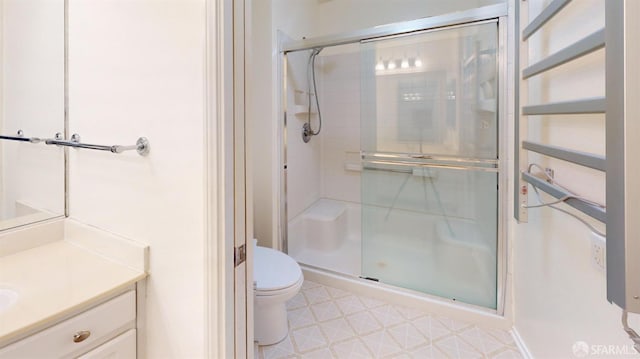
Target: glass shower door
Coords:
[(430, 156)]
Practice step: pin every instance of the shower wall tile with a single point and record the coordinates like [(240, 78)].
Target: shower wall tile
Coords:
[(340, 141), (303, 171), (304, 180)]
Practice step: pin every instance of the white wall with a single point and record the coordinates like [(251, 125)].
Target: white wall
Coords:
[(560, 298), (137, 69), (33, 101)]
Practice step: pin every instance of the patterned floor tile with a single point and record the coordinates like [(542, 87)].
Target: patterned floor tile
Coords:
[(351, 349), (308, 338), (337, 293), (350, 304), (387, 315), (431, 327), (401, 356), (481, 340), (455, 347), (326, 311), (423, 324), (337, 329), (409, 313), (316, 295), (297, 302), (299, 318), (381, 344), (428, 352), (509, 353), (363, 323), (452, 324), (438, 330), (425, 352), (326, 322), (324, 353), (408, 336), (439, 354), (371, 302), (284, 349), (307, 284), (502, 335)]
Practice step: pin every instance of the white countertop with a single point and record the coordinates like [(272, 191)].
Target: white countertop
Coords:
[(54, 280)]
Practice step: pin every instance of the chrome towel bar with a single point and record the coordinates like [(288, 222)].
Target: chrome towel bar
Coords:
[(20, 137), (141, 146)]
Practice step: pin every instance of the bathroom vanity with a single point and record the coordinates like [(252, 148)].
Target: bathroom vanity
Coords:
[(70, 290), (66, 289)]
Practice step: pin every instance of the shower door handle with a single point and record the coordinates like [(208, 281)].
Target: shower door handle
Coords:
[(421, 157), (400, 166)]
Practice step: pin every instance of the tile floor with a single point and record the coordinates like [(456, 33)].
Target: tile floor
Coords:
[(326, 322)]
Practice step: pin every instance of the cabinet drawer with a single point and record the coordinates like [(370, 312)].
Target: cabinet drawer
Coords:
[(91, 328), (121, 347)]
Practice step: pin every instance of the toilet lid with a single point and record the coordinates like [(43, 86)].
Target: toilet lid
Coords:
[(273, 270)]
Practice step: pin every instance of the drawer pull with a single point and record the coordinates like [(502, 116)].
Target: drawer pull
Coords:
[(81, 336)]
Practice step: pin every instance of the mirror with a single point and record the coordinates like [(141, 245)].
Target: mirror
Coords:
[(32, 99)]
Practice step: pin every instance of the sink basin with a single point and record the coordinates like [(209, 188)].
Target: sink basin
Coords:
[(8, 297)]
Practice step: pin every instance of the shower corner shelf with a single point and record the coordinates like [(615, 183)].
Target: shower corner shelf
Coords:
[(302, 110), (304, 113)]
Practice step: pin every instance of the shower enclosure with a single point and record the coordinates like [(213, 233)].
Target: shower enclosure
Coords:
[(403, 184)]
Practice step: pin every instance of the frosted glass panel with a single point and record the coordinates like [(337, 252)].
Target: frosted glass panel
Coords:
[(432, 230), (433, 93), (431, 224)]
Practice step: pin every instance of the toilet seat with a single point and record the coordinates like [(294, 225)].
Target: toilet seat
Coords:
[(275, 272), (272, 293)]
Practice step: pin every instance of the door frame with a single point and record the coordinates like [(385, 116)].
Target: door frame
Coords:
[(228, 299)]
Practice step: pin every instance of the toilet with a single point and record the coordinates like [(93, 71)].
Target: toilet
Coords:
[(277, 279)]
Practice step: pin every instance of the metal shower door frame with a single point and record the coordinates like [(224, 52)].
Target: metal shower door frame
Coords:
[(494, 12)]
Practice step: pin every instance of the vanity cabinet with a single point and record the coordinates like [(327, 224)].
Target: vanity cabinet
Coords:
[(121, 347), (108, 330)]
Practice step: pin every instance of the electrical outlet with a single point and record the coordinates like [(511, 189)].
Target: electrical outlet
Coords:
[(550, 174), (598, 254)]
